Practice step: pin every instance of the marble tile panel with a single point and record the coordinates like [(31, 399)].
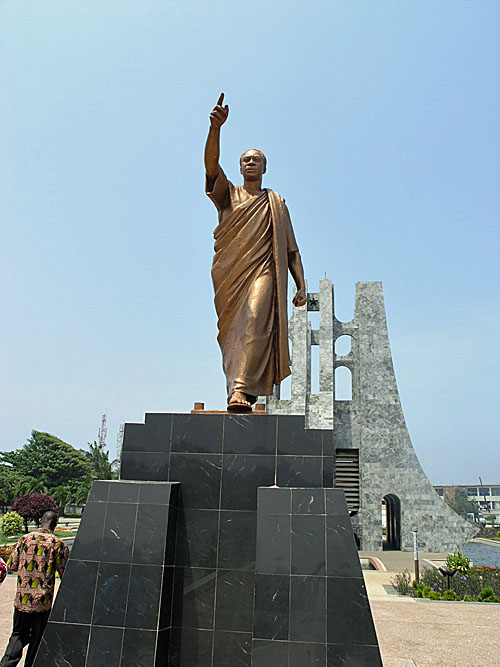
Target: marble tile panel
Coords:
[(111, 594), (308, 609), (118, 535), (105, 646), (99, 491), (234, 607), (291, 438), (273, 544), (71, 608), (250, 434), (308, 501), (300, 471), (241, 475), (62, 645), (144, 596), (274, 501), (335, 502), (341, 550), (190, 648), (158, 432), (138, 648), (361, 656), (302, 654), (157, 493), (88, 541), (267, 653), (150, 534), (308, 545), (271, 610), (237, 534), (194, 598), (349, 619), (123, 492), (197, 533), (199, 476), (133, 438), (151, 466), (197, 433), (233, 649)]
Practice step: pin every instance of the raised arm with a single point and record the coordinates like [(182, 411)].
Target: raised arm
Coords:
[(212, 148)]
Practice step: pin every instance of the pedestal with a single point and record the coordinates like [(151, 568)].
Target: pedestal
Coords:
[(226, 539)]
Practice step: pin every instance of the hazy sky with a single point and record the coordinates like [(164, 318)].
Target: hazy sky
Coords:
[(380, 121)]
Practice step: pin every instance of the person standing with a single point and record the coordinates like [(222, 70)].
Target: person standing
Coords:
[(36, 558)]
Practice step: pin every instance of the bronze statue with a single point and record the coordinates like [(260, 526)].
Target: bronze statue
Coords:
[(254, 248)]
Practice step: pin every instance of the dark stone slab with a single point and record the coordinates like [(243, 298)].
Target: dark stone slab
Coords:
[(103, 594), (195, 558)]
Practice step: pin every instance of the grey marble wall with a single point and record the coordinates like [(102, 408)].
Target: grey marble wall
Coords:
[(372, 422)]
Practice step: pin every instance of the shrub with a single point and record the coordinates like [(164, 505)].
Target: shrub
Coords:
[(32, 506), (402, 582), (12, 524), (434, 595), (5, 551), (450, 595), (488, 595), (457, 561)]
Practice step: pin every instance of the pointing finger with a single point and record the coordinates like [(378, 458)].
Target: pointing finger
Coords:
[(221, 99)]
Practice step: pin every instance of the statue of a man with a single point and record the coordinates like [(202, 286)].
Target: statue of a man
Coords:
[(254, 248)]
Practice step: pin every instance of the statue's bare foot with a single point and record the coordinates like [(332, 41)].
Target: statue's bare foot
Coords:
[(238, 403)]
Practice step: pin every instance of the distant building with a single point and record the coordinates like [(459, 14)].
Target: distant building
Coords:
[(487, 497)]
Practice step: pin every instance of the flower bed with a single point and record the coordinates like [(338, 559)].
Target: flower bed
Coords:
[(478, 584), (5, 550)]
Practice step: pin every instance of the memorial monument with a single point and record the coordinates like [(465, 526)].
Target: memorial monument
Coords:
[(254, 249), (224, 543)]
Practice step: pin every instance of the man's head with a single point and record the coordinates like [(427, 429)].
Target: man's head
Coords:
[(253, 164), (49, 520)]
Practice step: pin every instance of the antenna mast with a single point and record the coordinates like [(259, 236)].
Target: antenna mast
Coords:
[(102, 432)]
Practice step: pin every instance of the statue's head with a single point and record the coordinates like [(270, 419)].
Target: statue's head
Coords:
[(253, 164)]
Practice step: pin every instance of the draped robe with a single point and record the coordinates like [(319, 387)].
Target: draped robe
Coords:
[(250, 276)]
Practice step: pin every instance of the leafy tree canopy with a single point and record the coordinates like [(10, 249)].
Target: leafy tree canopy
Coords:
[(32, 506), (50, 461), (98, 459), (460, 503)]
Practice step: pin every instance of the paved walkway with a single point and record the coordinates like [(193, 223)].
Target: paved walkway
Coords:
[(411, 633)]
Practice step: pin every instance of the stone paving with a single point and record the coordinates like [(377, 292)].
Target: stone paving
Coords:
[(411, 633)]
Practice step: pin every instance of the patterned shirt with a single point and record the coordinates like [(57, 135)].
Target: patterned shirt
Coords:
[(3, 570), (36, 558)]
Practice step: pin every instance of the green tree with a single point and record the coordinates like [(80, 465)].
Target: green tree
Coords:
[(10, 482), (98, 459), (460, 503), (62, 496), (49, 461), (81, 493)]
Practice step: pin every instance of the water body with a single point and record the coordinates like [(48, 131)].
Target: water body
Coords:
[(482, 554)]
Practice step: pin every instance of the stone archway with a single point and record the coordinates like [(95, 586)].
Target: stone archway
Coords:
[(393, 522)]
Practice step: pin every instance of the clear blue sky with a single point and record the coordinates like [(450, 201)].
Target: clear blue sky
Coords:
[(380, 121)]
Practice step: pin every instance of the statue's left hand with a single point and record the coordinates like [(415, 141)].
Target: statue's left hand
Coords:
[(300, 298)]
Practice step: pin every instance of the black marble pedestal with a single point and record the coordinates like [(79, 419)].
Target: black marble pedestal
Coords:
[(217, 615), (114, 604)]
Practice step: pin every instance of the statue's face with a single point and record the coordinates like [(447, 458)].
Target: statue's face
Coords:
[(252, 165)]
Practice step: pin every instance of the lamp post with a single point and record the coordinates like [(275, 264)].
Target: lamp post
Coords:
[(415, 556)]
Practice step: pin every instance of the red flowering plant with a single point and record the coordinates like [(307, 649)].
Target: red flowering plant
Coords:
[(32, 506), (5, 550)]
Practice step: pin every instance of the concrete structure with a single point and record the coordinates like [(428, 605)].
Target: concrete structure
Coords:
[(374, 458), (486, 496)]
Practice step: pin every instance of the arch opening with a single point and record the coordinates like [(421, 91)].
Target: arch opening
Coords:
[(343, 384), (391, 520), (343, 345)]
